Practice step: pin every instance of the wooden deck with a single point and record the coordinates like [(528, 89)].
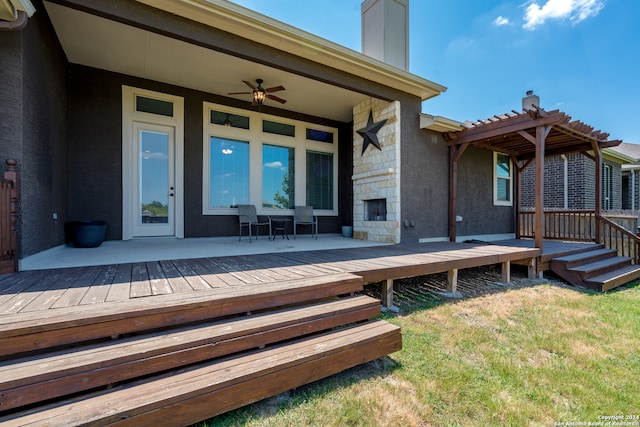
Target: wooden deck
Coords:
[(32, 291), (184, 340)]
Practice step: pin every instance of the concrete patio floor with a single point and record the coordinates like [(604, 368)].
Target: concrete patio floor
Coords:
[(157, 249)]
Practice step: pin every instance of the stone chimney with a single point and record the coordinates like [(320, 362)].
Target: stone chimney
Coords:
[(385, 31), (529, 101)]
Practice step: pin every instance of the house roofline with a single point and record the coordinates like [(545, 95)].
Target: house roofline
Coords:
[(254, 26), (618, 156), (439, 123)]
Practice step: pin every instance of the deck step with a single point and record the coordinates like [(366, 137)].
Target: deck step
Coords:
[(40, 330), (35, 379), (613, 279), (586, 256), (599, 268), (210, 389), (602, 266)]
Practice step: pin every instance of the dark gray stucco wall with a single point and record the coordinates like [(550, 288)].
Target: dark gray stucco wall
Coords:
[(95, 152), (475, 197), (34, 99), (425, 179), (10, 96)]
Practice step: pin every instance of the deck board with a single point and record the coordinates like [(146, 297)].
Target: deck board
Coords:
[(47, 289)]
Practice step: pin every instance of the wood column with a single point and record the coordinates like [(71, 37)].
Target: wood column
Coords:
[(454, 156), (598, 201), (541, 136)]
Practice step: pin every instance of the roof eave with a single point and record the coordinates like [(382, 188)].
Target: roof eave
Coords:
[(251, 25), (439, 123)]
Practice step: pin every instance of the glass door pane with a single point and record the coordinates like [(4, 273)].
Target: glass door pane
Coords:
[(153, 201), (154, 178)]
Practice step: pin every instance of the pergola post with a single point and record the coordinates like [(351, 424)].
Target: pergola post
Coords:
[(453, 190), (454, 156), (539, 215), (598, 201)]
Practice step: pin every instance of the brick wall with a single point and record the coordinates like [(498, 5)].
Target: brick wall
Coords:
[(580, 190)]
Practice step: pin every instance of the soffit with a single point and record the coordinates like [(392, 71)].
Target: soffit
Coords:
[(251, 25), (106, 44), (507, 133)]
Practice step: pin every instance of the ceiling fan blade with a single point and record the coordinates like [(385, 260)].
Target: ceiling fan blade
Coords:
[(275, 98), (239, 93), (249, 84), (274, 89)]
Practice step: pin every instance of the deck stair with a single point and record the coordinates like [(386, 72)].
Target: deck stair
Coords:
[(596, 268), (179, 359)]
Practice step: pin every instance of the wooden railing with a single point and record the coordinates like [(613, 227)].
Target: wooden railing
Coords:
[(573, 225), (8, 218), (581, 226), (614, 236)]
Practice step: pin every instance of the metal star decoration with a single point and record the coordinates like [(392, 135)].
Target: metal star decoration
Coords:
[(370, 133)]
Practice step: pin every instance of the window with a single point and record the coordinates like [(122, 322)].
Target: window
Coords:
[(320, 135), (154, 106), (320, 180), (272, 162), (278, 128), (229, 120), (278, 177), (502, 178), (229, 173)]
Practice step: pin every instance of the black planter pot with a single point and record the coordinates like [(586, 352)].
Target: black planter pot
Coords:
[(85, 234)]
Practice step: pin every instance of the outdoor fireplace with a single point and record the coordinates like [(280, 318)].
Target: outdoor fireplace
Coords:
[(375, 210)]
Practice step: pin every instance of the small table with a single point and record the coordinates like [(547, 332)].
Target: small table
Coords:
[(279, 224)]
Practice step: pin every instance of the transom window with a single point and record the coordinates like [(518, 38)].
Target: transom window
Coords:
[(267, 161), (502, 179)]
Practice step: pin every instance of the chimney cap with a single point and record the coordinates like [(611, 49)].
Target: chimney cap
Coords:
[(529, 92)]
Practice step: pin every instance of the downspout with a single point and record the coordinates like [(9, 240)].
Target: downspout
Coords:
[(18, 24), (633, 189), (566, 181)]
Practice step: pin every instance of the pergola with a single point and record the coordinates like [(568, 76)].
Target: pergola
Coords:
[(526, 136)]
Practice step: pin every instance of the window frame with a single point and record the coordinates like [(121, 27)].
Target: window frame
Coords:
[(257, 138), (497, 178)]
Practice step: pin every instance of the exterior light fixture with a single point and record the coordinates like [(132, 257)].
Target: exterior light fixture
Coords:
[(259, 94)]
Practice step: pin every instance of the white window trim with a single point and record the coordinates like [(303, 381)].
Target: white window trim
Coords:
[(497, 202), (129, 117), (257, 139)]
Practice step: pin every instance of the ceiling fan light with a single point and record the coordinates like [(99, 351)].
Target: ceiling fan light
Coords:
[(259, 95)]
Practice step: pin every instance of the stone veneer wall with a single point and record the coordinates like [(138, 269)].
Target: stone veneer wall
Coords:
[(376, 173)]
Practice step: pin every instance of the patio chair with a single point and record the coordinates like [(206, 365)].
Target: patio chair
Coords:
[(248, 217), (304, 216)]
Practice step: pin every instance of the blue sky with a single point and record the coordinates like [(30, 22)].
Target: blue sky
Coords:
[(579, 56)]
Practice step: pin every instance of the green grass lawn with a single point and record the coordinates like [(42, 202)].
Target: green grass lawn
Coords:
[(541, 354)]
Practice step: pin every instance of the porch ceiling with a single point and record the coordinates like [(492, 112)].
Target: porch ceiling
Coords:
[(512, 134), (114, 46)]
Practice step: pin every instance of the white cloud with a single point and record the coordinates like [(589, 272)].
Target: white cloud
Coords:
[(574, 10), (276, 164), (500, 21)]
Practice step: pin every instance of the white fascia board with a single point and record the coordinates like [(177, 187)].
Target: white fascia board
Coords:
[(251, 25), (617, 157), (439, 123)]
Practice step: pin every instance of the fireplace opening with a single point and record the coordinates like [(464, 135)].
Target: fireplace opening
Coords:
[(375, 210)]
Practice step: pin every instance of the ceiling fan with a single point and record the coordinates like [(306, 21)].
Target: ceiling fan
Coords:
[(260, 94)]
